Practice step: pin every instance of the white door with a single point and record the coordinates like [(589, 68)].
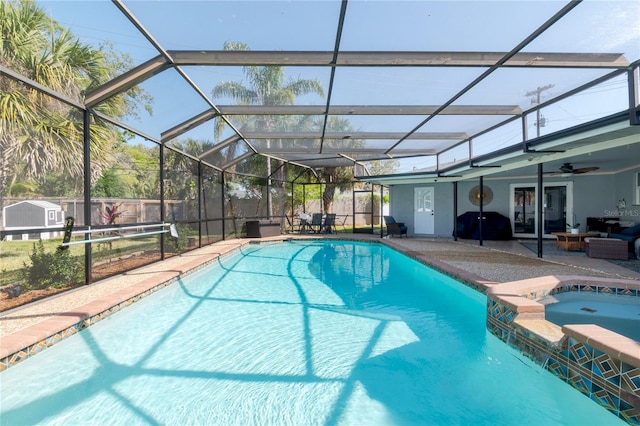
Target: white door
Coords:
[(423, 214)]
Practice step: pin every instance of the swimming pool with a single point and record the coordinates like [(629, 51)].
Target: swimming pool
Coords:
[(617, 313), (295, 333)]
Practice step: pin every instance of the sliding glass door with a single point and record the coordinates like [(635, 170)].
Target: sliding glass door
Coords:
[(524, 209), (557, 207)]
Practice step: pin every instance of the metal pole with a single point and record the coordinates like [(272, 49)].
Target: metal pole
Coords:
[(269, 199), (455, 211), (538, 92), (204, 208), (292, 207), (380, 211), (86, 142), (162, 207), (632, 79), (222, 198), (481, 208), (199, 203), (353, 207), (539, 207)]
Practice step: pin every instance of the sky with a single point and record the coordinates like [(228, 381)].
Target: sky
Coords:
[(490, 26)]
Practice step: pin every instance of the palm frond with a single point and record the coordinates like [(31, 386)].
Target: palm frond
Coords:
[(236, 91)]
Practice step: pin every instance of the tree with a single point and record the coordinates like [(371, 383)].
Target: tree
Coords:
[(109, 185), (266, 86), (382, 167), (42, 135), (181, 170), (138, 167), (336, 177)]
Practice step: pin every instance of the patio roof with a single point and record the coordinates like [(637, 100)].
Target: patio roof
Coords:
[(425, 89)]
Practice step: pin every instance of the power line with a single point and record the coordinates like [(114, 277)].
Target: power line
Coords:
[(537, 92)]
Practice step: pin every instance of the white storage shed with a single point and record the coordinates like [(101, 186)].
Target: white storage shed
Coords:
[(33, 214)]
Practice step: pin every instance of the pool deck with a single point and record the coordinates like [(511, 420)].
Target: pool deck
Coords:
[(481, 266)]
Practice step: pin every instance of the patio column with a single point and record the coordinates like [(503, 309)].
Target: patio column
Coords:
[(540, 229), (455, 211), (632, 79)]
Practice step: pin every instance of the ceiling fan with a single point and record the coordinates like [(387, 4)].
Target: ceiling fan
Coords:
[(568, 169)]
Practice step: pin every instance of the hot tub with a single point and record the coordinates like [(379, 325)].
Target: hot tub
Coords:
[(619, 313)]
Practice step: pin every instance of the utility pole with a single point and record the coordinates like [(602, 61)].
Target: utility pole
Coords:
[(536, 100)]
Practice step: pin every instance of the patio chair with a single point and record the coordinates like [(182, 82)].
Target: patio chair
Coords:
[(342, 223), (316, 223), (329, 225), (629, 234), (395, 228)]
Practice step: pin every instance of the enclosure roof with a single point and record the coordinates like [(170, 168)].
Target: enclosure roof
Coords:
[(397, 86)]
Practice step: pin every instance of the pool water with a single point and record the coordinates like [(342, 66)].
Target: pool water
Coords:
[(619, 313), (295, 333)]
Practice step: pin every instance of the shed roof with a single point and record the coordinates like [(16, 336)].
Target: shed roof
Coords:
[(47, 205)]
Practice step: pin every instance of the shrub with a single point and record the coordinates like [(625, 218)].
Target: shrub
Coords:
[(180, 244), (57, 269)]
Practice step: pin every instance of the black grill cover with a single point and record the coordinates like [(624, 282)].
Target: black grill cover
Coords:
[(494, 226)]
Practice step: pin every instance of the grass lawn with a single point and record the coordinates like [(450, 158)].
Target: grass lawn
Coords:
[(14, 254)]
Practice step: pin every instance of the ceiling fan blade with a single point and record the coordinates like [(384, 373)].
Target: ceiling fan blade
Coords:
[(566, 168), (584, 170)]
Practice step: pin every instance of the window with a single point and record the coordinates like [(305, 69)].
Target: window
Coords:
[(637, 189), (52, 215)]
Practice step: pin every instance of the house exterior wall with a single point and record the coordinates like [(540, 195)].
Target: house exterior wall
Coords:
[(593, 196), (401, 201), (401, 205), (626, 188)]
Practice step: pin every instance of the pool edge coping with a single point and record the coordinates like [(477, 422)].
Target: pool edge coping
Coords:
[(20, 345), (599, 363), (29, 340), (521, 297), (32, 340)]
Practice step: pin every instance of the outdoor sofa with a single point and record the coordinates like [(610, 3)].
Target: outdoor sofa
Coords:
[(630, 235)]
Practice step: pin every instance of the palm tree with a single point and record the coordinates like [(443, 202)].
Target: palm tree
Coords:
[(266, 86), (181, 170), (40, 134)]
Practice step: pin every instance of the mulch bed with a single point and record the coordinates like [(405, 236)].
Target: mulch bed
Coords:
[(100, 272)]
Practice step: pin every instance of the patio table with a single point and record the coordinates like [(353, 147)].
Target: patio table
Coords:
[(569, 241)]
